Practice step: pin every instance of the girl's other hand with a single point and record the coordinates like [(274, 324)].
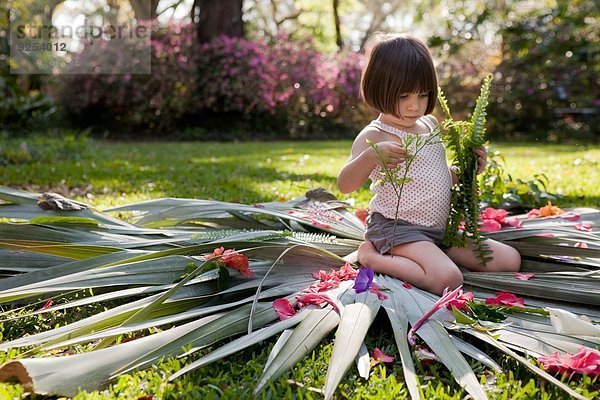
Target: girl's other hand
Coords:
[(481, 153), (390, 154)]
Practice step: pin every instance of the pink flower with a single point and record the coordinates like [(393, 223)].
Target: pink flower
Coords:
[(586, 362), (495, 214), (328, 284), (545, 234), (237, 261), (407, 285), (380, 356), (48, 304), (506, 299), (490, 225), (570, 216), (447, 297), (320, 224), (284, 308), (523, 277), (375, 289), (514, 222), (307, 298), (324, 276), (347, 272), (583, 226), (581, 245), (534, 213), (461, 301)]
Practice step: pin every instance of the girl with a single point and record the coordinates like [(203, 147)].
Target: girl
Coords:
[(399, 81)]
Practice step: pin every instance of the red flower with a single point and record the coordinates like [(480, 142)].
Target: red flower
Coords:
[(506, 299), (380, 356), (284, 308), (233, 259), (217, 252), (581, 245), (461, 301), (586, 362), (362, 214)]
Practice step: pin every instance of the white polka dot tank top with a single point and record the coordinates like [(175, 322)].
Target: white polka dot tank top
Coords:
[(425, 200)]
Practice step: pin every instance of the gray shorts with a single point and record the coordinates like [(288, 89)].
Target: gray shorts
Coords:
[(381, 229)]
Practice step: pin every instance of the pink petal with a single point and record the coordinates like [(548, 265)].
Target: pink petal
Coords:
[(48, 304), (307, 298), (375, 289), (506, 299), (447, 297), (347, 272), (284, 308), (514, 222), (570, 216), (581, 245), (380, 356), (583, 226), (320, 224), (535, 213), (524, 277), (490, 225), (407, 285), (545, 234)]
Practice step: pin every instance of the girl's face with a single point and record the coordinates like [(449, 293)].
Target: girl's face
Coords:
[(412, 106)]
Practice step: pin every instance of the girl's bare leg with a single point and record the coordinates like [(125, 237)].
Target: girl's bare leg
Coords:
[(422, 264), (505, 258)]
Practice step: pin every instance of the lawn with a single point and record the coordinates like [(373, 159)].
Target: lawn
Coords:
[(106, 174)]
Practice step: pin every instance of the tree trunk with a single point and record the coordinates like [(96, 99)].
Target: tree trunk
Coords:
[(336, 18), (144, 11), (223, 17)]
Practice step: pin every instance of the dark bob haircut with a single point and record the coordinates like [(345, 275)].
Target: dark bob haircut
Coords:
[(397, 64)]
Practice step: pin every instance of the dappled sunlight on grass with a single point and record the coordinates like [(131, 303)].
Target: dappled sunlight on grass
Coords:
[(122, 173)]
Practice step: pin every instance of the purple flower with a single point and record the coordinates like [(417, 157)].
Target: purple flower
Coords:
[(363, 280)]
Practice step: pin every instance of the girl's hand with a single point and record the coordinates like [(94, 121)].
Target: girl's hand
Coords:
[(481, 153), (389, 154)]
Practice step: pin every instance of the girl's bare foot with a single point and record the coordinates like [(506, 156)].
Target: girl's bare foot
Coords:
[(365, 252)]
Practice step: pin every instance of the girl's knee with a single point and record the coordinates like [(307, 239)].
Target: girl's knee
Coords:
[(507, 260), (451, 279)]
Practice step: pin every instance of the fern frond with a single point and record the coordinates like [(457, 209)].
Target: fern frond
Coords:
[(478, 118)]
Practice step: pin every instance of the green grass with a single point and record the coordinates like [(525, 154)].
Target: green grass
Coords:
[(121, 173), (109, 174)]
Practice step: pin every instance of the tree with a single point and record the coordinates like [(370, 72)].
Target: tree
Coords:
[(216, 18), (142, 10)]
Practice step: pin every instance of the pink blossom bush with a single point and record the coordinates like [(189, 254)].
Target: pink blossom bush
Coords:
[(287, 87)]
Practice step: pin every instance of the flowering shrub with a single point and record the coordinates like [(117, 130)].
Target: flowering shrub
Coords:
[(277, 85), (230, 84), (132, 101)]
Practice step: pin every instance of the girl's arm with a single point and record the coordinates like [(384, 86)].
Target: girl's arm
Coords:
[(363, 159)]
